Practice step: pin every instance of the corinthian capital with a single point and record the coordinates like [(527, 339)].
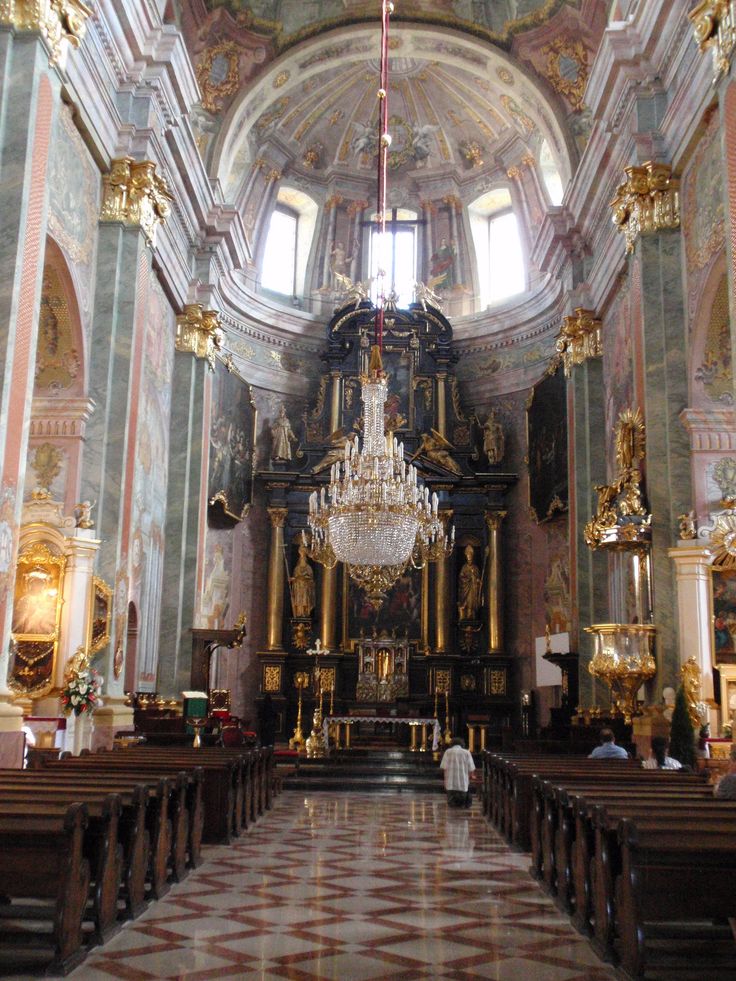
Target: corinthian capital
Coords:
[(198, 332), (135, 194), (60, 22)]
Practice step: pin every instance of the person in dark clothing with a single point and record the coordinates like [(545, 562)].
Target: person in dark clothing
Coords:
[(267, 718)]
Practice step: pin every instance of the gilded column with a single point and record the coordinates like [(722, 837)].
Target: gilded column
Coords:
[(328, 608), (441, 403), (335, 400), (442, 596), (494, 582), (276, 578), (424, 611)]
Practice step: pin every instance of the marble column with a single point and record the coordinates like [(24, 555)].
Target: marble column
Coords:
[(590, 568), (186, 512), (29, 97), (115, 369), (276, 580), (667, 465), (494, 582), (442, 640), (694, 608)]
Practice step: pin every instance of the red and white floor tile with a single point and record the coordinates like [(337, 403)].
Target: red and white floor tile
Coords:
[(335, 887)]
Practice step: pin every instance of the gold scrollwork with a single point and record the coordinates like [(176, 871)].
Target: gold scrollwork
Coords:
[(723, 540), (562, 50), (59, 21), (442, 681), (646, 202), (214, 92), (714, 27), (198, 332), (135, 194), (100, 615), (497, 681), (579, 338), (272, 678)]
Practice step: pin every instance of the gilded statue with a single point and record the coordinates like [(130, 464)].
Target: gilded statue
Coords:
[(435, 448), (469, 588), (283, 436), (690, 674), (302, 586), (494, 441), (687, 527), (336, 451)]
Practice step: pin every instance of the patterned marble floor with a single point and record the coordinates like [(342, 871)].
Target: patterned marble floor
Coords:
[(336, 887)]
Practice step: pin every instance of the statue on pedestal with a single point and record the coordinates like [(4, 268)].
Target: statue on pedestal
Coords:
[(494, 442), (469, 588), (283, 436), (302, 586)]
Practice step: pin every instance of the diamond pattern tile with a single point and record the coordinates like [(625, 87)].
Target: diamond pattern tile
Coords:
[(337, 887)]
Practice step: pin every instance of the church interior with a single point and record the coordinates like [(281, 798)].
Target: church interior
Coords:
[(367, 381)]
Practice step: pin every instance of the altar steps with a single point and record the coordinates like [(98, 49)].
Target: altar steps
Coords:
[(368, 771)]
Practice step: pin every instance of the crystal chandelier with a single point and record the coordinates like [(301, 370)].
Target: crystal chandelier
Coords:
[(375, 516)]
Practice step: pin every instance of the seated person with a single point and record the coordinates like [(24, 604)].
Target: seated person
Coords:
[(457, 765), (608, 750), (725, 789), (658, 758)]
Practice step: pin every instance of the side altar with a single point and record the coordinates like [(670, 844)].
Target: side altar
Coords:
[(439, 631)]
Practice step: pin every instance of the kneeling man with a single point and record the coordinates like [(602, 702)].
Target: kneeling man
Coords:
[(457, 764)]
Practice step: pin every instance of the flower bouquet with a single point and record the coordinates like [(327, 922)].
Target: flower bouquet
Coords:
[(82, 692)]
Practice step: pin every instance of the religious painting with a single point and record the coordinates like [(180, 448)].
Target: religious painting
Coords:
[(399, 612), (546, 425), (724, 615), (232, 448), (398, 415), (37, 605), (100, 615)]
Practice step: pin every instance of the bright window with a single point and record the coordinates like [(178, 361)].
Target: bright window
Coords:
[(506, 259), (396, 253), (279, 257), (550, 174)]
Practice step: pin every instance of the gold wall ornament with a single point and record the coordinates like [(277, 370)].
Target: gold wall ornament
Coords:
[(692, 687), (272, 678), (496, 681), (198, 332), (218, 74), (646, 202), (579, 338), (100, 616), (60, 22), (723, 539), (560, 53), (714, 27), (133, 193), (621, 520)]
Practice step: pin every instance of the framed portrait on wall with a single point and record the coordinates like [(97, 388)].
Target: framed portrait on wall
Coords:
[(724, 615), (546, 430), (232, 447)]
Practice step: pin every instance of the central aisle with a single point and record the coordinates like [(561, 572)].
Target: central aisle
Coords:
[(351, 888)]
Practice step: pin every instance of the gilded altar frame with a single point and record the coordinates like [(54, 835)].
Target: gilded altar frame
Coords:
[(100, 615), (37, 606)]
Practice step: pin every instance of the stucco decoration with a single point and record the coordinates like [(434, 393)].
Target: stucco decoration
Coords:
[(57, 359), (715, 373), (702, 200)]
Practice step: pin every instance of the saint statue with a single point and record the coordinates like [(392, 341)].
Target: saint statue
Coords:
[(468, 588), (494, 442), (302, 586), (283, 436)]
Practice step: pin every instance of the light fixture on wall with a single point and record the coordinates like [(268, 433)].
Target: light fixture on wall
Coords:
[(375, 516)]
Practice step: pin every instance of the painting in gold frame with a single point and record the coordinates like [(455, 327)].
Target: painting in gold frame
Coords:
[(37, 602), (100, 615)]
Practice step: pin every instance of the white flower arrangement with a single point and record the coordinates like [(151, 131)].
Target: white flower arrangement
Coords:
[(82, 692)]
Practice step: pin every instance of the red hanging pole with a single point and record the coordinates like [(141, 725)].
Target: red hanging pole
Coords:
[(384, 142)]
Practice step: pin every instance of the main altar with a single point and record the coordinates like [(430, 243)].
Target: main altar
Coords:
[(439, 632)]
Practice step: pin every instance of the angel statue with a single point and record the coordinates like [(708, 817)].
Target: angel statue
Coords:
[(365, 140), (436, 448), (336, 450), (420, 142), (427, 297)]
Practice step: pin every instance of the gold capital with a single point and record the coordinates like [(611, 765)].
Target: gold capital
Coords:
[(579, 338), (198, 332), (646, 202), (494, 519), (135, 194), (278, 516), (714, 27), (60, 22)]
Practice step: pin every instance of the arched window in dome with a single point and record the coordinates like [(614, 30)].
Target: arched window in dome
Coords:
[(288, 241), (501, 266), (397, 253), (550, 174)]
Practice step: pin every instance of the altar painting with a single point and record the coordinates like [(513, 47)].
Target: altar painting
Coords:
[(232, 446), (724, 615), (546, 418), (399, 612), (399, 409)]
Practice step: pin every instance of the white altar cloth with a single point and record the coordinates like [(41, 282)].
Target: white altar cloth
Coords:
[(330, 719)]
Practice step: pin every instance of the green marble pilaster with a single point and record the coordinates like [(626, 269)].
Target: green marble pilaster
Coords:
[(123, 267), (588, 428), (186, 459), (668, 481), (29, 98)]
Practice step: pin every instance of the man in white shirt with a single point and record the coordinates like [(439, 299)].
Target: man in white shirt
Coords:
[(457, 765)]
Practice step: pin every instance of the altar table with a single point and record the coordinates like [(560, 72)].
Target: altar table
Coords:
[(347, 720)]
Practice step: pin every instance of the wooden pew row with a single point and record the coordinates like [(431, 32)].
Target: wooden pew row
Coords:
[(184, 795), (42, 858), (133, 827)]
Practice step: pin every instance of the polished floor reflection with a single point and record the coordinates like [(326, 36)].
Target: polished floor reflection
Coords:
[(354, 888)]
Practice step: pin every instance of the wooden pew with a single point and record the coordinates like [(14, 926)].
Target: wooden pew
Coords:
[(101, 849), (701, 861), (22, 785), (42, 857)]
